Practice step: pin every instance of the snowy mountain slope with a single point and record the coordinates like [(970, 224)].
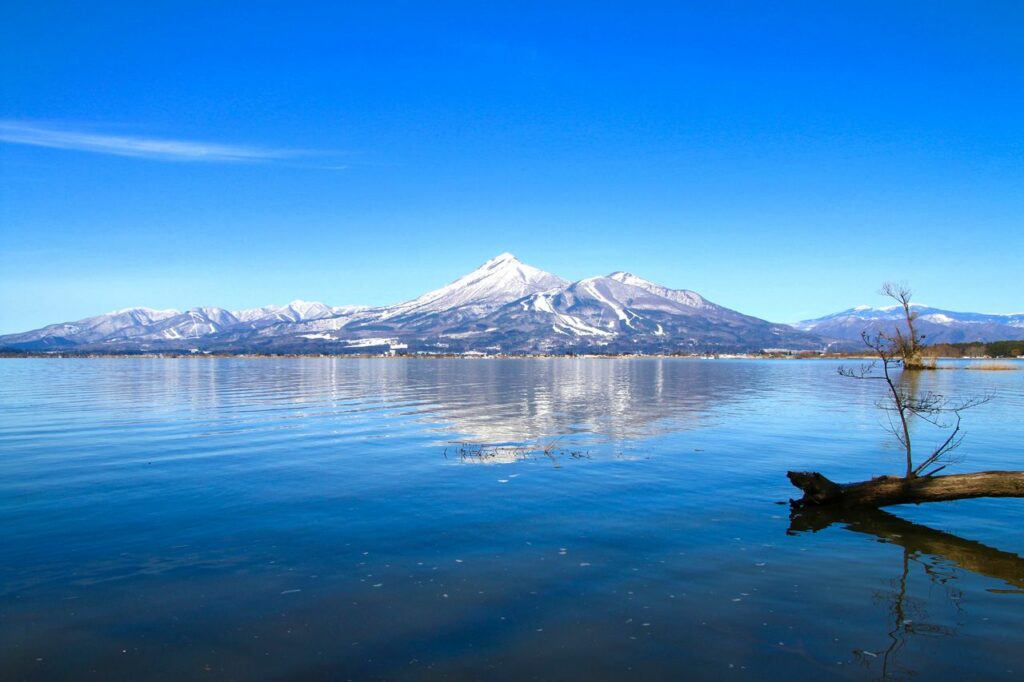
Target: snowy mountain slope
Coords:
[(495, 283), (688, 298), (192, 324), (938, 326), (626, 313), (503, 305), (296, 316), (295, 311), (88, 330)]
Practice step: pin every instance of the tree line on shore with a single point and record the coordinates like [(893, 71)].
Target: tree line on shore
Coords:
[(993, 349)]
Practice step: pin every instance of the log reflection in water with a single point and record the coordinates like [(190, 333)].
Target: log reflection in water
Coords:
[(925, 544), (936, 551)]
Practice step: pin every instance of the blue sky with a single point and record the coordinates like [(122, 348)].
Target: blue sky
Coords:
[(781, 159)]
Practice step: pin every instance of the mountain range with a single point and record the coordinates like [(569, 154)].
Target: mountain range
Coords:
[(934, 324), (504, 306)]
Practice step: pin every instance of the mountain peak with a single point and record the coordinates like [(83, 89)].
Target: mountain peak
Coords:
[(684, 296), (501, 259), (502, 279), (143, 309), (630, 278)]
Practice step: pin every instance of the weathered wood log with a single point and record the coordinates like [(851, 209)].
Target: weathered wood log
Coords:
[(887, 490), (920, 541)]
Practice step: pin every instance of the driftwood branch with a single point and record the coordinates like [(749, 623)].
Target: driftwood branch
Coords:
[(887, 490)]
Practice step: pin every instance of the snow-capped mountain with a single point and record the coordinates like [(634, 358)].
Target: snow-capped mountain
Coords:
[(504, 305), (472, 296), (295, 311), (191, 324), (937, 325), (624, 313), (495, 283), (687, 298), (89, 330)]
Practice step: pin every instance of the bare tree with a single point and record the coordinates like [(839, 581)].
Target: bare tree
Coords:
[(908, 344), (903, 405)]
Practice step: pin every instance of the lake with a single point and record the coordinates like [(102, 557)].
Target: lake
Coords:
[(562, 519)]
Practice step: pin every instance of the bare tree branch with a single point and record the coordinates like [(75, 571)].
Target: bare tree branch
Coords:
[(903, 405), (906, 344)]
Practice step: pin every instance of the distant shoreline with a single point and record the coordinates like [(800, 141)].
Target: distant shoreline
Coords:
[(368, 356)]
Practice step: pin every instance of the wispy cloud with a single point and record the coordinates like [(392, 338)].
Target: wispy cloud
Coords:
[(17, 132)]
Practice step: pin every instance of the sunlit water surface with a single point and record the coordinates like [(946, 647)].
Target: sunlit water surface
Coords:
[(304, 519)]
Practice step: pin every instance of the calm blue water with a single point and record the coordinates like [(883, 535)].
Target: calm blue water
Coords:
[(305, 519)]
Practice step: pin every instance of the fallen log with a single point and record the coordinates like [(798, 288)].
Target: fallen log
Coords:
[(887, 490)]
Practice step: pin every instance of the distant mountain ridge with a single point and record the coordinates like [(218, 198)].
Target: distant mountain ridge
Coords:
[(936, 324), (504, 306)]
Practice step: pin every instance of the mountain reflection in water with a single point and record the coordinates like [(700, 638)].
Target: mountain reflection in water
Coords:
[(298, 519)]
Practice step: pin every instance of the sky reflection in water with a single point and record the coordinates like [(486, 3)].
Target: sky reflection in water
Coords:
[(298, 519)]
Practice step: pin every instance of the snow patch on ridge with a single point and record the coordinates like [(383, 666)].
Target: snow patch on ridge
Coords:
[(683, 296), (589, 286), (563, 322)]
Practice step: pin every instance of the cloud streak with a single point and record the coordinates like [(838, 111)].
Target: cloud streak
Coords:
[(36, 135)]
